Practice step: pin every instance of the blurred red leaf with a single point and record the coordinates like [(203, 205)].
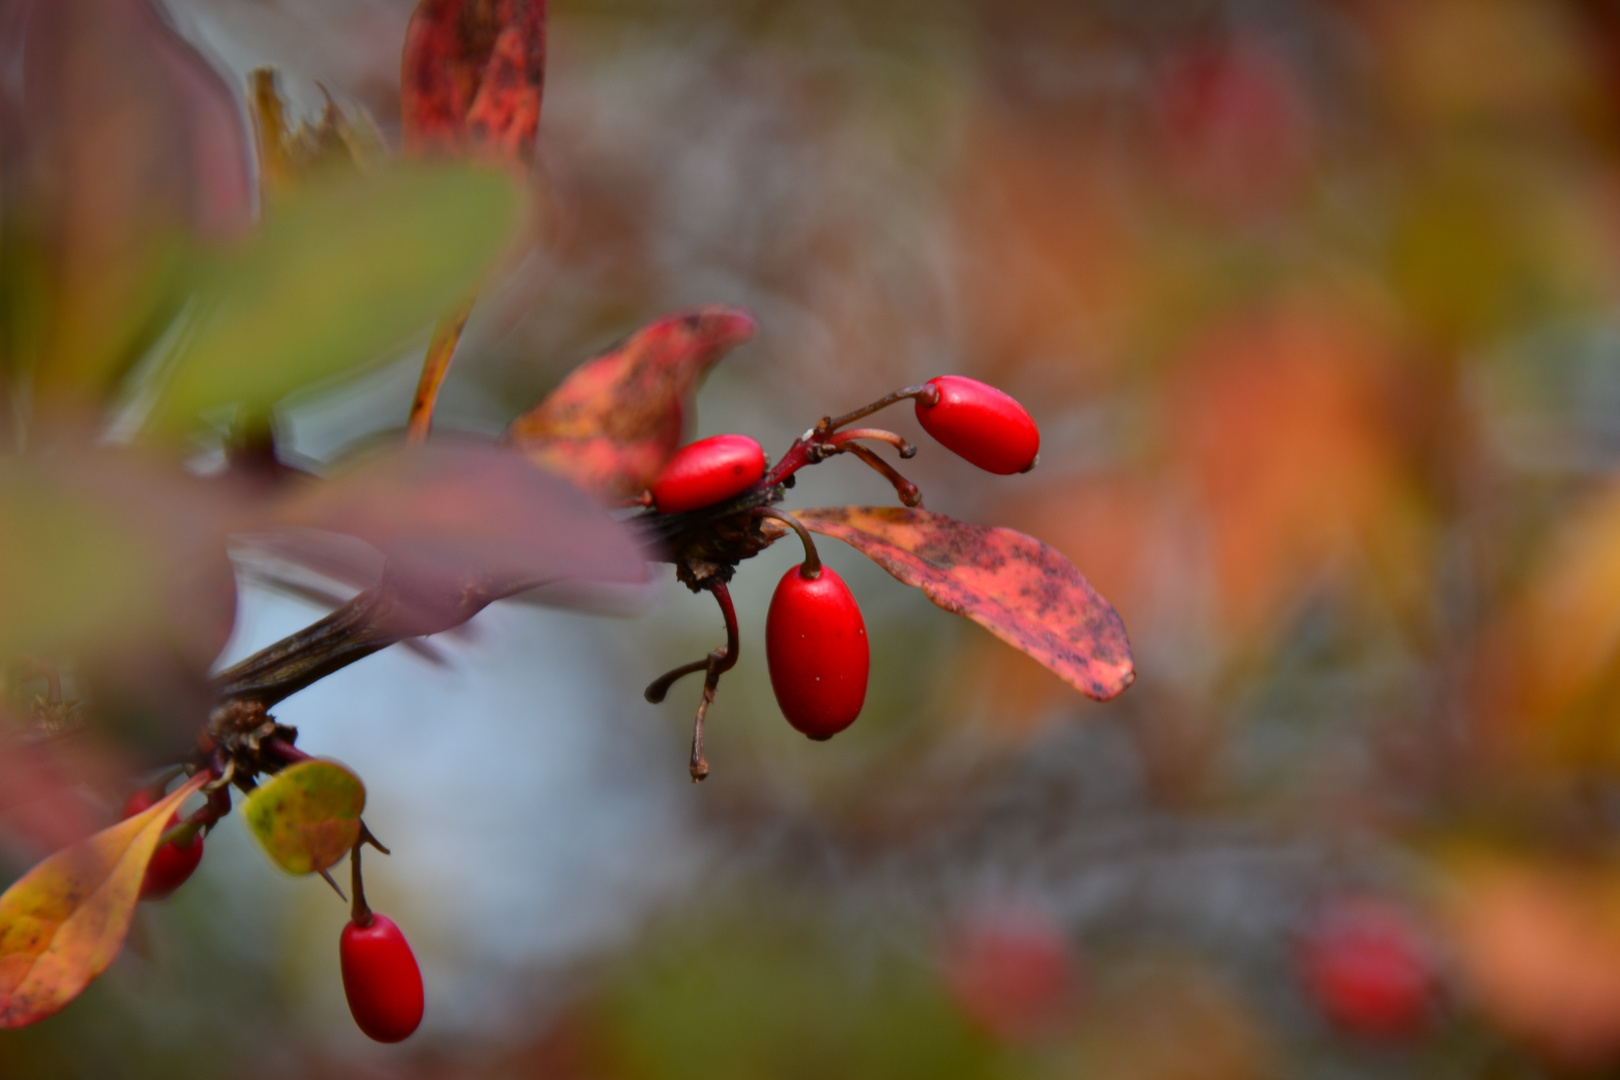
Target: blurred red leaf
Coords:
[(43, 806), (64, 921), (1237, 128), (472, 76), (617, 418), (1012, 970), (1013, 585)]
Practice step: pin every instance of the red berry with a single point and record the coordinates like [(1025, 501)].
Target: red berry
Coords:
[(978, 422), (172, 864), (381, 979), (1012, 971), (1368, 968), (707, 471), (816, 648)]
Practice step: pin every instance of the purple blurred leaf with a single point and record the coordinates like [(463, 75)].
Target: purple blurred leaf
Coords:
[(462, 525), (122, 144)]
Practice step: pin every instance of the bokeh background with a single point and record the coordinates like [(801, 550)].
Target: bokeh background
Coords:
[(1317, 303)]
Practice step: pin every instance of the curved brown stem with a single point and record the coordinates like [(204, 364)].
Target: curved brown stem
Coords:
[(810, 569), (658, 689), (909, 493), (725, 656), (907, 448), (359, 910), (928, 393), (713, 666), (698, 766)]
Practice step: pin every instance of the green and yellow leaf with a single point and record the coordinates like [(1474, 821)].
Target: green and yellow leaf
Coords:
[(307, 816), (341, 271)]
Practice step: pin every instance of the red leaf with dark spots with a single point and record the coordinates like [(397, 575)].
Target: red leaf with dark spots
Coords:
[(1022, 591), (472, 77), (616, 419)]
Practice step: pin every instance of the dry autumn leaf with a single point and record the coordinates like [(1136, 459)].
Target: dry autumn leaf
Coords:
[(471, 78), (64, 921), (290, 156), (616, 419), (1022, 591)]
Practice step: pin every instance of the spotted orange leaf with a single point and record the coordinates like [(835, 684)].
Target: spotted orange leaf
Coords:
[(472, 76), (64, 921), (1022, 591), (616, 419)]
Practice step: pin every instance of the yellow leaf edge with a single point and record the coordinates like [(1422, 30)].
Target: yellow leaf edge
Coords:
[(120, 847)]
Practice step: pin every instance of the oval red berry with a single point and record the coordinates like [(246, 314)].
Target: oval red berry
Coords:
[(977, 422), (1368, 968), (381, 980), (708, 471), (817, 651), (172, 864)]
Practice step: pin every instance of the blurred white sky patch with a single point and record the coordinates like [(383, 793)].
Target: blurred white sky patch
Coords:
[(523, 789)]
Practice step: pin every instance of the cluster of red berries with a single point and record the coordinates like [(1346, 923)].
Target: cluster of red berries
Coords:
[(815, 639), (816, 644), (380, 977)]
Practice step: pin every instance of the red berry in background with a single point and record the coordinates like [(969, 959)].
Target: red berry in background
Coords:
[(1012, 970), (172, 864), (816, 648), (1369, 969), (381, 979), (1237, 126), (707, 471), (981, 424)]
